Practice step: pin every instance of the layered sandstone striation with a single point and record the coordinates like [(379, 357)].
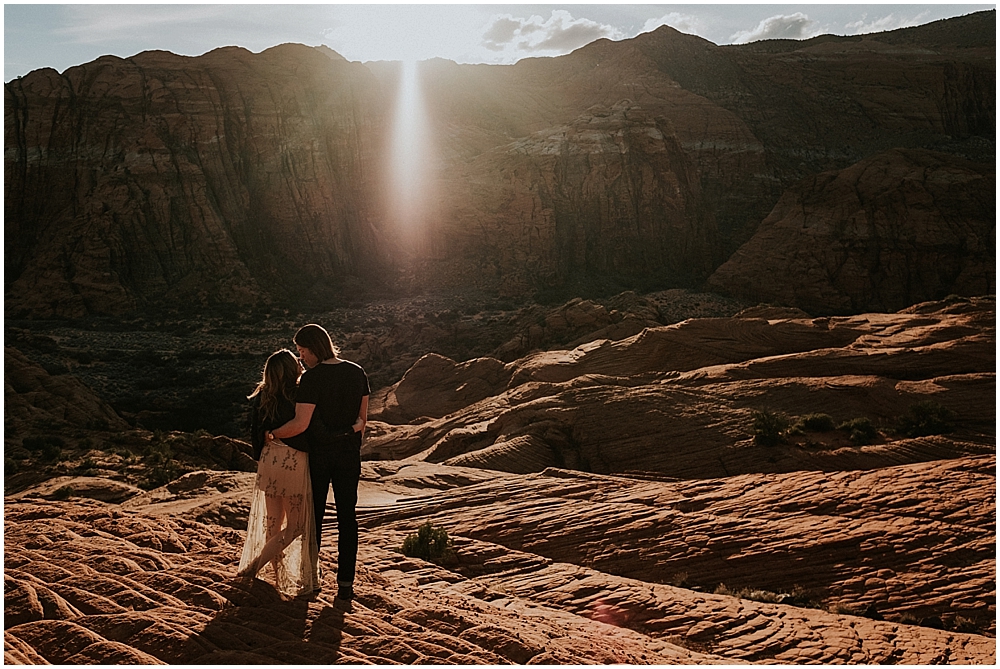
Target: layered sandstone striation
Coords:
[(223, 178), (679, 399), (239, 178), (532, 581), (873, 235)]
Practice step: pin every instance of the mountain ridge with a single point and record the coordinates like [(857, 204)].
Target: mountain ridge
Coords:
[(241, 178)]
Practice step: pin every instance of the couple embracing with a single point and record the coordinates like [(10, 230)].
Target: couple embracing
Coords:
[(306, 429)]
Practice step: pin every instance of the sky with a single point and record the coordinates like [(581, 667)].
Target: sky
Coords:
[(63, 35)]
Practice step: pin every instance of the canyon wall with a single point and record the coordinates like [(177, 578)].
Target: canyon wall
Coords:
[(251, 179)]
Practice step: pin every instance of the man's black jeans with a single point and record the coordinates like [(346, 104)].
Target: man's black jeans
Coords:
[(339, 464)]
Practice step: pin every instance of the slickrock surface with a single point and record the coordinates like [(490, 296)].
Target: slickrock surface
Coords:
[(551, 568), (913, 540), (678, 400), (85, 583)]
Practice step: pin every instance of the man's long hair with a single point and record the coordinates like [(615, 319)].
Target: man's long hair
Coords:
[(281, 374), (316, 339)]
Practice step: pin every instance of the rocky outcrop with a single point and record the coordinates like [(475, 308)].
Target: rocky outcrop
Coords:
[(37, 400), (613, 193), (679, 400), (238, 178), (900, 226)]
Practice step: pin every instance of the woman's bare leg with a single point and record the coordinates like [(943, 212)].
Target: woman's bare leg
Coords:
[(277, 511)]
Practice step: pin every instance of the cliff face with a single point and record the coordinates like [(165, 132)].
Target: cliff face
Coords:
[(899, 225), (231, 177), (242, 178)]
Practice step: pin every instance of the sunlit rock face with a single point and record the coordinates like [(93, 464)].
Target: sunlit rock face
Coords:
[(643, 164)]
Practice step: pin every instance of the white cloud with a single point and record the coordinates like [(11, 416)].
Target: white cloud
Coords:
[(685, 23), (791, 26), (97, 24), (501, 32), (560, 33), (889, 22)]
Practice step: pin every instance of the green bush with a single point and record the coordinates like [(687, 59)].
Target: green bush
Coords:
[(88, 465), (161, 467), (966, 625), (817, 422), (768, 427), (925, 418), (428, 543), (10, 466), (861, 430), (64, 492), (47, 448)]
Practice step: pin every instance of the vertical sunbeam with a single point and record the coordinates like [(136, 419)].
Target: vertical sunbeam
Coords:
[(411, 162)]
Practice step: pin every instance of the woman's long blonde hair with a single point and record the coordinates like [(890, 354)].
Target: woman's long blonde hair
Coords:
[(281, 374)]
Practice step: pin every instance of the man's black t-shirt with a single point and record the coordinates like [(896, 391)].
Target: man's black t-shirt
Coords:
[(336, 390)]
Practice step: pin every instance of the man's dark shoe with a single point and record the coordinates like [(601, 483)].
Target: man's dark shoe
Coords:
[(345, 592)]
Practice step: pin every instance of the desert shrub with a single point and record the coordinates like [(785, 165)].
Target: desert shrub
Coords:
[(768, 427), (797, 597), (428, 543), (963, 624), (860, 430), (10, 466), (817, 422), (47, 448), (64, 492), (753, 594), (925, 418), (88, 465), (161, 468), (722, 589)]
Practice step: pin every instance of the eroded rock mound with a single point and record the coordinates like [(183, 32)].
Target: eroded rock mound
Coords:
[(679, 400), (33, 398)]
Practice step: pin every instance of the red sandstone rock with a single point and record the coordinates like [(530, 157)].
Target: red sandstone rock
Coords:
[(561, 567), (678, 399), (35, 398)]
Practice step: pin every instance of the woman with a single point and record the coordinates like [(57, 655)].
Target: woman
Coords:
[(332, 409), (280, 530)]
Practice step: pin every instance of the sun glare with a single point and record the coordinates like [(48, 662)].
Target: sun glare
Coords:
[(411, 163)]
